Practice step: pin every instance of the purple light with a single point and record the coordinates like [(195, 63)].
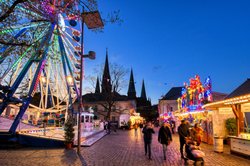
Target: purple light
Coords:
[(48, 7)]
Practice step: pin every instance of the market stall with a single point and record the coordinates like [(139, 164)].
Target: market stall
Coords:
[(193, 97), (236, 105), (204, 118), (136, 118)]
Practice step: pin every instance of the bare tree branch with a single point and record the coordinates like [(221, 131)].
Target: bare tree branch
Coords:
[(14, 44), (11, 9)]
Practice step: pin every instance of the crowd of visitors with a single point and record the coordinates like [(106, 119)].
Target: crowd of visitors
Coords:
[(165, 135), (167, 128)]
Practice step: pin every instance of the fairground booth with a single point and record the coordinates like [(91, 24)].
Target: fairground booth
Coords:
[(190, 106), (231, 118)]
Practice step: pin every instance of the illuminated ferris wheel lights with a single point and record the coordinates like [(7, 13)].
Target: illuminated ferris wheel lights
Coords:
[(72, 16), (76, 33), (70, 80), (78, 48), (43, 79)]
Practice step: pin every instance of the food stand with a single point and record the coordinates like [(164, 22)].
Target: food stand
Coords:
[(236, 105), (202, 117), (136, 118)]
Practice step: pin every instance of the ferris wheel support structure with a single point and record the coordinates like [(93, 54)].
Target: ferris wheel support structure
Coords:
[(40, 67), (43, 76), (6, 47), (11, 90)]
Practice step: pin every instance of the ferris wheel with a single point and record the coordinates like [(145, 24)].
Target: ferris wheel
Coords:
[(40, 56)]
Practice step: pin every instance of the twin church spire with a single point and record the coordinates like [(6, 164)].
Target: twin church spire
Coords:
[(131, 88), (107, 87)]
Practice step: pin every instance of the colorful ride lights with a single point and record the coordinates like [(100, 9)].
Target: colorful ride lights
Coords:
[(70, 80)]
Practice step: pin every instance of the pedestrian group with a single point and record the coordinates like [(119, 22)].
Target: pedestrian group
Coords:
[(165, 136)]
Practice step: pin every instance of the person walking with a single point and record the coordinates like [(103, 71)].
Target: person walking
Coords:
[(183, 132), (172, 124), (148, 131), (136, 129), (164, 137), (196, 133), (108, 127)]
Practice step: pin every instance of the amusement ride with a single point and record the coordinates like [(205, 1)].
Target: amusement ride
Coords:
[(41, 57)]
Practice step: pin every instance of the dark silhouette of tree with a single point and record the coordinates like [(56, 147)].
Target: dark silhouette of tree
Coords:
[(109, 99)]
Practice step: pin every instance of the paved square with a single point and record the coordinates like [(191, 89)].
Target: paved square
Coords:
[(116, 149)]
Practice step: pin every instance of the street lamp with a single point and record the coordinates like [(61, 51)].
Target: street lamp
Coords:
[(91, 55), (92, 20)]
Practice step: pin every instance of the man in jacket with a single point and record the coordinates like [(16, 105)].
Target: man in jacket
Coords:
[(148, 131), (164, 137), (183, 131)]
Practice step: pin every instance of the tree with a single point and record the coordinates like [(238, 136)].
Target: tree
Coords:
[(109, 99), (8, 8), (117, 72), (18, 12), (15, 38), (69, 134)]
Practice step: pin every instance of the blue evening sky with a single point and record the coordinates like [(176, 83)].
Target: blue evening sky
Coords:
[(166, 42)]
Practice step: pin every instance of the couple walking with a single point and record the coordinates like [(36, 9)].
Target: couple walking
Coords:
[(164, 138)]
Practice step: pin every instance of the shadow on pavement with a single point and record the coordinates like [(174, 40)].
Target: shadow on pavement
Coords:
[(69, 157), (82, 160)]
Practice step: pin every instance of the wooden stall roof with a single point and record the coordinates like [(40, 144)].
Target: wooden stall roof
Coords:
[(228, 102), (239, 96)]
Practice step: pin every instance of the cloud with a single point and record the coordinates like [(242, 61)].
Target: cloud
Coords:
[(157, 68)]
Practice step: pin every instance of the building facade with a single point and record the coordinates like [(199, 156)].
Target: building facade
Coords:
[(168, 103), (107, 104)]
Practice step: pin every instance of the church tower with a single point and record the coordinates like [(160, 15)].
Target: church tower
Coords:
[(131, 89), (97, 87), (106, 80), (143, 91)]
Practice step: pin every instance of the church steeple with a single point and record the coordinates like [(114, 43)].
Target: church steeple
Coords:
[(106, 81), (97, 87), (143, 91), (131, 88)]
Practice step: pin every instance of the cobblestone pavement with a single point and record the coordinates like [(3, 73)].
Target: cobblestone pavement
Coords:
[(39, 157), (123, 148), (116, 149)]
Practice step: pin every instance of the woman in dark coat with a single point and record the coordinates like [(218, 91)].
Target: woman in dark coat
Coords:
[(148, 131), (164, 137)]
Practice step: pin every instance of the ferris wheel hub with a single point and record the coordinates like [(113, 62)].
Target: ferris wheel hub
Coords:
[(61, 22)]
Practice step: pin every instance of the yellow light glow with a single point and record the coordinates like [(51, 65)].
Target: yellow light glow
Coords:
[(43, 79), (70, 80), (235, 100)]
